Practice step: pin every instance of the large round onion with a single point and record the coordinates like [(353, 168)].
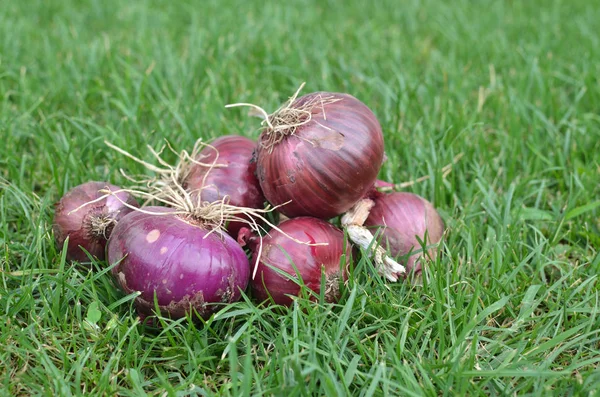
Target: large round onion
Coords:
[(89, 226), (323, 152), (173, 258), (281, 252), (233, 176), (405, 219)]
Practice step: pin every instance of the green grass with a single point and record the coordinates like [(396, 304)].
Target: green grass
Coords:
[(510, 307)]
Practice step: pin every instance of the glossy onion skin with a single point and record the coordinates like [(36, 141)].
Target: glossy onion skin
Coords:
[(403, 217), (308, 260), (328, 164), (238, 180), (170, 256), (78, 225)]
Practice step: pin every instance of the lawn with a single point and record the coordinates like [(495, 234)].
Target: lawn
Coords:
[(511, 305)]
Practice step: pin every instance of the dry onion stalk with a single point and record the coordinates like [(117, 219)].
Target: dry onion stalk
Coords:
[(353, 222)]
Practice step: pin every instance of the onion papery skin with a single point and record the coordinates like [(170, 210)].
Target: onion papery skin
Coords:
[(381, 184), (327, 164), (79, 225), (174, 258), (237, 180), (278, 249), (400, 218)]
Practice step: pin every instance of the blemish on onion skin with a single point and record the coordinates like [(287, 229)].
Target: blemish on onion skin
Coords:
[(181, 276), (164, 281), (163, 250), (152, 236)]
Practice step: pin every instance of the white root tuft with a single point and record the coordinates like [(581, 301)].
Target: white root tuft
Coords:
[(286, 120), (170, 178), (100, 224), (353, 221)]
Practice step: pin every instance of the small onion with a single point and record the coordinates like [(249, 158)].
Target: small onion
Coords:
[(322, 152), (89, 226), (233, 175), (309, 260), (406, 218), (175, 258)]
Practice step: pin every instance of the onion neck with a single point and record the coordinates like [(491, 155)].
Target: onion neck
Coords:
[(353, 222), (358, 214)]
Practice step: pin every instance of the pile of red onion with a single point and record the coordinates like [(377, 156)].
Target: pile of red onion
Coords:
[(317, 158)]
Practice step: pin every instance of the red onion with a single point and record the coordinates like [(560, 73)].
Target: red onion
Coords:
[(178, 259), (89, 226), (309, 259), (233, 175), (322, 152), (406, 218)]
